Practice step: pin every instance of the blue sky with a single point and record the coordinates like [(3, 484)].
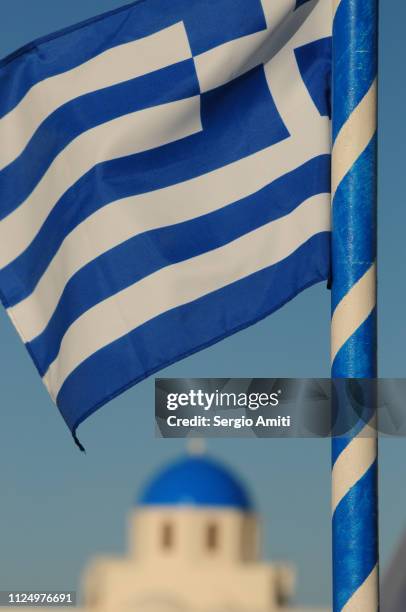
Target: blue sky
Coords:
[(60, 507)]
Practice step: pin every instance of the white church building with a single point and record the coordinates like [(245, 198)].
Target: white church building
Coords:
[(193, 547)]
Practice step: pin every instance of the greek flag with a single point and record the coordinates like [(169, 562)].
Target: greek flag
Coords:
[(164, 182)]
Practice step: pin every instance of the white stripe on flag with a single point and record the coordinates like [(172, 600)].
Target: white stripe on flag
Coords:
[(275, 11), (318, 23), (119, 221), (114, 66), (284, 81), (184, 282), (298, 111), (224, 63), (126, 135)]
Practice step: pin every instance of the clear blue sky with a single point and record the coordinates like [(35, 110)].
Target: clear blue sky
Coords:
[(59, 507)]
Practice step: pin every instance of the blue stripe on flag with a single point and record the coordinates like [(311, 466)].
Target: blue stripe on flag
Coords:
[(75, 45), (244, 108), (314, 61), (148, 252), (18, 180), (189, 328)]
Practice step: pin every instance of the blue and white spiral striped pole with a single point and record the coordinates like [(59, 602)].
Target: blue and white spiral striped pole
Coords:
[(354, 345)]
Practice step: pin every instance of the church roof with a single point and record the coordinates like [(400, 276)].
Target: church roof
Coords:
[(196, 481)]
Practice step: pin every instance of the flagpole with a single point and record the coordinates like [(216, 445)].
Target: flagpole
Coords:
[(353, 327)]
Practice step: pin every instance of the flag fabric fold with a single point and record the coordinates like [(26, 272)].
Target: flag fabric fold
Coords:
[(164, 182)]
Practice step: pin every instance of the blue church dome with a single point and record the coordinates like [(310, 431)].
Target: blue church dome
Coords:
[(196, 481)]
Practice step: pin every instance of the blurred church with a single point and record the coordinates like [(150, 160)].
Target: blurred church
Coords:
[(193, 547)]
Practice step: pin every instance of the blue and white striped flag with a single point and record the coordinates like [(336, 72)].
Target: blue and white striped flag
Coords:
[(164, 182)]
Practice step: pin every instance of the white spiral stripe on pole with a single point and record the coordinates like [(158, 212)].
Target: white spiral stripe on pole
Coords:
[(352, 464), (353, 310), (364, 599), (354, 137)]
